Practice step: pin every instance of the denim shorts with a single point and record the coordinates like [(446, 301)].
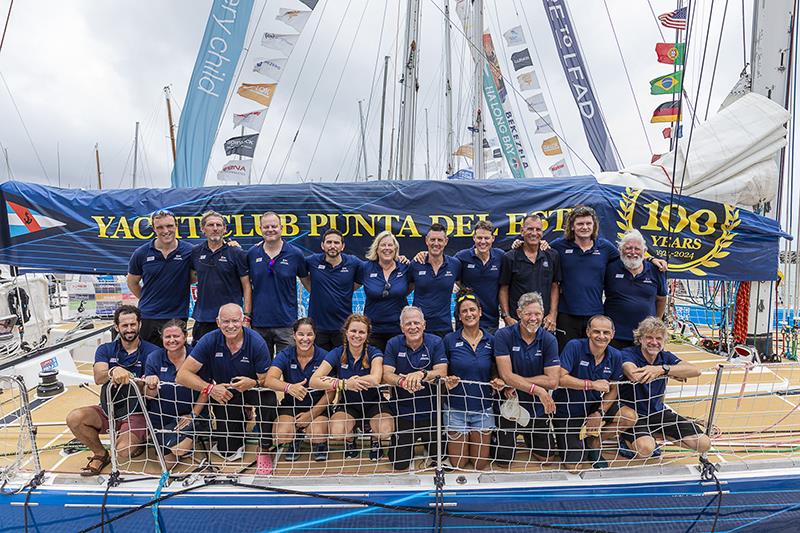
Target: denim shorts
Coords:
[(466, 421)]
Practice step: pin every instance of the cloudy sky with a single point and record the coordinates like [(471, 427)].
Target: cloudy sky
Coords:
[(83, 72)]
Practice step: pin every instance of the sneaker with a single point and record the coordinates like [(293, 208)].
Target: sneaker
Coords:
[(264, 464), (291, 452), (375, 452), (656, 452), (351, 451), (321, 452), (600, 463), (234, 455), (625, 451)]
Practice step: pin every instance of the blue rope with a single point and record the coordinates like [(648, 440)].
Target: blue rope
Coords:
[(161, 482)]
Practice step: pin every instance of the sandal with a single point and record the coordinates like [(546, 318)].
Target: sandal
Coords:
[(90, 470)]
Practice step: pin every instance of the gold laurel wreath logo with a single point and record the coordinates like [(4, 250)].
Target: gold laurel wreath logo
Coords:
[(627, 207)]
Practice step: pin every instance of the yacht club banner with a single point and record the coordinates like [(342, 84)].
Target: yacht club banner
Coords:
[(80, 231)]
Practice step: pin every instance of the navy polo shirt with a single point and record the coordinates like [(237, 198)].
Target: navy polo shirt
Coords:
[(219, 281), (583, 275), (527, 360), (221, 366), (384, 312), (114, 354), (405, 361), (523, 276), (484, 280), (331, 300), (645, 398), (355, 368), (274, 282), (433, 292), (294, 372), (173, 400), (579, 362), (470, 365), (630, 299), (165, 281)]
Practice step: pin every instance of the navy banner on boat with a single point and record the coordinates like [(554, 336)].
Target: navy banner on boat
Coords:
[(578, 80), (211, 81), (73, 230)]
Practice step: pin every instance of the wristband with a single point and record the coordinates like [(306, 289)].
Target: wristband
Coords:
[(334, 384), (401, 382), (533, 387), (587, 384), (207, 389), (286, 388), (247, 319)]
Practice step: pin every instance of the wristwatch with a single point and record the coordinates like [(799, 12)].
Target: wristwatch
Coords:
[(424, 373), (503, 314), (666, 369)]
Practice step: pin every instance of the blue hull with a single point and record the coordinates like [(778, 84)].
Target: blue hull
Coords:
[(766, 503)]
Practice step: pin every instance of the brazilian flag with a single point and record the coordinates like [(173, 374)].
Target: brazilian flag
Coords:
[(669, 84)]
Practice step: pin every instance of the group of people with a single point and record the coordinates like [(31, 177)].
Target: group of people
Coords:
[(579, 315)]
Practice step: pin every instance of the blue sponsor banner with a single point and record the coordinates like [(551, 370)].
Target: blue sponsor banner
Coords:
[(578, 80), (73, 230), (208, 89)]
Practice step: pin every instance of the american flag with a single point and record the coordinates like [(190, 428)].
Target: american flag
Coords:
[(674, 19)]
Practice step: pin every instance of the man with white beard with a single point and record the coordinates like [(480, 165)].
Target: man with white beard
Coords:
[(634, 289)]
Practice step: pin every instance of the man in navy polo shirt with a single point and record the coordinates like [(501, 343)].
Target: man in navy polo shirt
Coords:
[(163, 267), (587, 411), (410, 362), (529, 268), (333, 278), (235, 359), (434, 281), (117, 363), (634, 288), (527, 360), (480, 271), (648, 365), (274, 267), (222, 276)]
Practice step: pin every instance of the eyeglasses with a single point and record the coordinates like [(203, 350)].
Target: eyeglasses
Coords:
[(386, 288), (162, 213), (270, 266)]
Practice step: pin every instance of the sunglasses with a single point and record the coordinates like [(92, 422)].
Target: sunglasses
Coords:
[(270, 266), (386, 288), (466, 297), (162, 213)]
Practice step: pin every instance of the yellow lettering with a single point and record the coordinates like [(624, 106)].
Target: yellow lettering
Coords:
[(102, 226), (666, 215), (560, 218), (445, 221), (410, 226), (124, 229), (316, 221), (387, 221), (194, 226), (137, 228), (652, 217), (238, 226), (463, 225), (515, 223), (695, 223), (358, 223), (289, 223)]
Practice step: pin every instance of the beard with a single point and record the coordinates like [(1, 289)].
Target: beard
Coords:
[(632, 263)]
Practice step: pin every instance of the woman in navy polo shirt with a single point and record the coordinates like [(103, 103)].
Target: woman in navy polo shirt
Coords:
[(175, 411), (386, 287), (469, 418), (301, 411), (359, 370)]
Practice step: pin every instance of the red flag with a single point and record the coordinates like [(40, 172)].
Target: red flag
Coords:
[(654, 158), (667, 133)]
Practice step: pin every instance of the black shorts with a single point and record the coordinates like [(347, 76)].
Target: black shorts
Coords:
[(667, 422), (293, 411), (363, 412)]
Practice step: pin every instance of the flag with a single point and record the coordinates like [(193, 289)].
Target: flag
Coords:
[(253, 120), (668, 84), (465, 150), (543, 125), (282, 42), (521, 59), (514, 36), (463, 174), (667, 133), (244, 145), (675, 20), (536, 103), (655, 157), (559, 169), (310, 4), (295, 18), (551, 146), (22, 220), (666, 112), (272, 68), (259, 92), (528, 81), (236, 170), (670, 53)]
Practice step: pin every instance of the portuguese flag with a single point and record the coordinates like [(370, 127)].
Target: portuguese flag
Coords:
[(670, 53)]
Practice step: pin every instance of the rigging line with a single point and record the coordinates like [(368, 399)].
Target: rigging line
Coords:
[(377, 62), (291, 93), (655, 19), (628, 77), (516, 96), (5, 26), (25, 127), (554, 111), (336, 89), (716, 60), (482, 53), (744, 41)]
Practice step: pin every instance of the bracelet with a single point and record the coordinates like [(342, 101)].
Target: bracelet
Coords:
[(334, 384), (286, 388), (401, 382), (247, 319), (207, 389), (341, 384), (533, 387), (587, 385)]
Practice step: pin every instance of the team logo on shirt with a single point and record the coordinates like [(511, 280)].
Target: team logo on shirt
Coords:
[(218, 354), (113, 360), (150, 258), (245, 359), (259, 259), (373, 275), (448, 273), (203, 256), (177, 257), (494, 267), (545, 264), (473, 266), (596, 252), (459, 344), (515, 348), (345, 366), (401, 354), (284, 262), (223, 259), (619, 276), (568, 251), (321, 267), (344, 269), (584, 363), (421, 273), (293, 366), (163, 369)]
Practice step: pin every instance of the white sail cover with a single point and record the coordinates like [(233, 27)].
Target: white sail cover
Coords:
[(732, 157)]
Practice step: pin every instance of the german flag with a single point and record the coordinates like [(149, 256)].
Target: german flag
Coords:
[(666, 112)]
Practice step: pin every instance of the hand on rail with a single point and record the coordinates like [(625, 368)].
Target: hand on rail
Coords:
[(151, 382), (509, 392), (356, 383), (646, 374), (413, 381), (242, 383), (221, 394), (601, 385), (547, 400), (297, 390), (498, 384), (119, 376), (451, 381)]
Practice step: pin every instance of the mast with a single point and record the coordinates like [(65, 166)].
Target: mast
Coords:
[(476, 41), (363, 139), (135, 154), (383, 115), (171, 124), (427, 148), (97, 162), (408, 104), (448, 89)]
